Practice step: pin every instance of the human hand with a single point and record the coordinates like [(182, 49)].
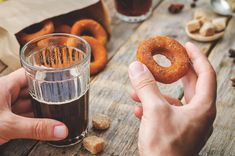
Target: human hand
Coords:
[(16, 110), (166, 129)]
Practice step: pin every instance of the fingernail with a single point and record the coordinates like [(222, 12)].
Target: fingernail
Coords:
[(60, 132), (136, 69)]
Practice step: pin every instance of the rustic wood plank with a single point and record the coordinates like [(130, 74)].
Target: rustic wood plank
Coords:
[(17, 147), (109, 90), (121, 107), (222, 141)]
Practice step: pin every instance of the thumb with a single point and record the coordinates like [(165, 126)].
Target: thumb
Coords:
[(145, 87), (40, 129)]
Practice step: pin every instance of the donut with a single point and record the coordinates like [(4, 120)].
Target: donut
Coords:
[(63, 28), (88, 27), (47, 28), (172, 50), (99, 55), (53, 41)]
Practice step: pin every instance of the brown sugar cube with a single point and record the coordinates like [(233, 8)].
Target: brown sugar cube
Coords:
[(101, 121), (202, 20), (207, 29), (193, 25), (93, 144), (219, 23), (201, 16)]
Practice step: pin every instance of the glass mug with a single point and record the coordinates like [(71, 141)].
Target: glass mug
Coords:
[(58, 74), (133, 10)]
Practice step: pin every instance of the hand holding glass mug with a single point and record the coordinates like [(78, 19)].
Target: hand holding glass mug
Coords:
[(54, 85), (16, 113)]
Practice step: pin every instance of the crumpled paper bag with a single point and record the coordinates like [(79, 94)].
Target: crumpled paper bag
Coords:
[(16, 15)]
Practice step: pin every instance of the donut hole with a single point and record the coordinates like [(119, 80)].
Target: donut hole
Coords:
[(92, 58), (162, 60), (87, 33), (34, 28)]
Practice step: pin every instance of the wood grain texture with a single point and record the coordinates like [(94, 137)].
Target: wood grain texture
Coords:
[(19, 147), (110, 89), (222, 141)]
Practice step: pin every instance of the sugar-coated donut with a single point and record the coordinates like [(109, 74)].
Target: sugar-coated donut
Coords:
[(89, 27), (170, 48), (99, 55), (48, 27)]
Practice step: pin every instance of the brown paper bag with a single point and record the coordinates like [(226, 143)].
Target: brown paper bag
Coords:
[(16, 15)]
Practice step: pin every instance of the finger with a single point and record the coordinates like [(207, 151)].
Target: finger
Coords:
[(138, 112), (22, 106), (189, 82), (15, 82), (134, 96), (169, 99), (145, 87), (203, 138), (209, 133), (173, 101), (40, 129), (205, 91)]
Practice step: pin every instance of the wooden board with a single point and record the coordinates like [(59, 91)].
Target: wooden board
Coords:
[(110, 89), (17, 147), (222, 141)]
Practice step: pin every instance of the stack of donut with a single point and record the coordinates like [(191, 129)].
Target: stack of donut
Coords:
[(88, 29), (97, 37)]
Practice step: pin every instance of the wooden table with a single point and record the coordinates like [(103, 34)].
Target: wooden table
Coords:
[(110, 89)]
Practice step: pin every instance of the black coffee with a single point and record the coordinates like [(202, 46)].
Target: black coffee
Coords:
[(133, 7), (73, 114)]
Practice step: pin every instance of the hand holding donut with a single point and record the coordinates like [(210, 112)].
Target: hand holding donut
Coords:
[(175, 130)]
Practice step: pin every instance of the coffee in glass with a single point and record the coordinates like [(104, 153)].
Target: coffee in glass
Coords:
[(57, 70), (133, 10)]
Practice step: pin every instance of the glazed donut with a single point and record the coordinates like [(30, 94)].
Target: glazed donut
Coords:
[(88, 27), (63, 28), (48, 27), (170, 48), (99, 55)]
